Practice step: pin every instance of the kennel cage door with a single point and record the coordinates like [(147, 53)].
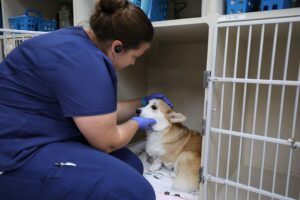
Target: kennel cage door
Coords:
[(252, 135)]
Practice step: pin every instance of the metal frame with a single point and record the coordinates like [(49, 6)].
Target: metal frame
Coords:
[(242, 134)]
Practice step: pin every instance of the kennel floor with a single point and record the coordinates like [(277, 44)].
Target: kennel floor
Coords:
[(161, 179)]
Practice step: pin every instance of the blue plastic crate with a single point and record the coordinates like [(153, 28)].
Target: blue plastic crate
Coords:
[(156, 10), (47, 25), (28, 21), (241, 6), (32, 20), (275, 4), (136, 2)]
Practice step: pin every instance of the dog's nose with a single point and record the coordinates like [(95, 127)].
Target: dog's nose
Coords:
[(138, 111)]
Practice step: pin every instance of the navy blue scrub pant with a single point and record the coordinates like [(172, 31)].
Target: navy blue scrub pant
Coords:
[(75, 171)]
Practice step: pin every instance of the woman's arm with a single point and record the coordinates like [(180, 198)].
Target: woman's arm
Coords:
[(126, 109), (103, 133)]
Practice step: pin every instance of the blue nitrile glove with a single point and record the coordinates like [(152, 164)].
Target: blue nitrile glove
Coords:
[(144, 123), (145, 100)]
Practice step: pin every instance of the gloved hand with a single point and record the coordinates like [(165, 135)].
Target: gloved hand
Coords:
[(144, 123), (146, 99)]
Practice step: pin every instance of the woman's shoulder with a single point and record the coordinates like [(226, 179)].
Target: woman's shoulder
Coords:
[(63, 43), (67, 39)]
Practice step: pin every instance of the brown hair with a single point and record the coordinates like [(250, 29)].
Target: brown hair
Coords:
[(121, 20)]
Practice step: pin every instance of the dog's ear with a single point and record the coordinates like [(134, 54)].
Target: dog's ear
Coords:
[(176, 117)]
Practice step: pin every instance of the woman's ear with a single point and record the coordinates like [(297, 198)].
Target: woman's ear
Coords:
[(116, 47), (176, 117)]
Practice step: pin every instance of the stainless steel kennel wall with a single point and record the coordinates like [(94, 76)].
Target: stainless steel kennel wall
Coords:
[(253, 121)]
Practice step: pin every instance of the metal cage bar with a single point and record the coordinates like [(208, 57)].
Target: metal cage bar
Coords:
[(280, 118), (255, 106), (285, 77), (293, 130), (208, 120), (221, 109), (232, 105), (268, 107), (256, 137), (244, 105), (256, 81)]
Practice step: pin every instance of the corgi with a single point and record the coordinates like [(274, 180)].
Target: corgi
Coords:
[(173, 145)]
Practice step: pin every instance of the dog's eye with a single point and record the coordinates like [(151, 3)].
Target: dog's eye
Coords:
[(154, 107)]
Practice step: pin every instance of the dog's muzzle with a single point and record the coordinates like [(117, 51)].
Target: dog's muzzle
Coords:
[(138, 111)]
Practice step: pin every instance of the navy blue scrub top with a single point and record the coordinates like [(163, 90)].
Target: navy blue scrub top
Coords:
[(45, 82)]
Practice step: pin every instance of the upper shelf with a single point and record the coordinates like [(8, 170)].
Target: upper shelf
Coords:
[(196, 29), (180, 22), (182, 30), (291, 12)]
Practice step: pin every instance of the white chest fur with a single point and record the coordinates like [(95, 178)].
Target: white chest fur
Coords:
[(154, 146)]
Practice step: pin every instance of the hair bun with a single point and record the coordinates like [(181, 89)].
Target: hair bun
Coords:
[(111, 6)]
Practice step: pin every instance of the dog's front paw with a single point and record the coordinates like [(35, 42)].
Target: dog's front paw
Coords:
[(169, 166), (173, 174), (154, 167)]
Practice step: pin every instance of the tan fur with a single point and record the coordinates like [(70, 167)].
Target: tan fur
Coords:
[(182, 148)]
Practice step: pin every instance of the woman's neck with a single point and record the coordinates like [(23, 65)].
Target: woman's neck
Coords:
[(101, 45), (93, 38)]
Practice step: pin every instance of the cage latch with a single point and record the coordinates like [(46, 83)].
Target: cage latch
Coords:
[(206, 78), (203, 128), (293, 143), (202, 178)]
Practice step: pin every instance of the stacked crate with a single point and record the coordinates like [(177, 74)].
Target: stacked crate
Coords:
[(243, 6), (275, 4), (32, 20), (156, 10)]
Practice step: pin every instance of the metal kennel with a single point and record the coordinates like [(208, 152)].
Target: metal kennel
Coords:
[(11, 38), (253, 120)]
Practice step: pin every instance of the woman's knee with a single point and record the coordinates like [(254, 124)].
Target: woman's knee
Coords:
[(130, 158), (146, 191), (128, 192), (126, 188)]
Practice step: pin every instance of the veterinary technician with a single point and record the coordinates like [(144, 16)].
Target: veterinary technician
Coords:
[(59, 136)]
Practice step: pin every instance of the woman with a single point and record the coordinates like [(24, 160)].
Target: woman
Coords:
[(59, 137)]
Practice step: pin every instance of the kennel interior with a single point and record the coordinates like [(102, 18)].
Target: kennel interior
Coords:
[(253, 138), (174, 66)]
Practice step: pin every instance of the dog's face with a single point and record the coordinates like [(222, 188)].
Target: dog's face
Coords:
[(164, 116)]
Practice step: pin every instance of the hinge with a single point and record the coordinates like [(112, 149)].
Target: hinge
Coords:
[(203, 128), (202, 178), (206, 78)]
